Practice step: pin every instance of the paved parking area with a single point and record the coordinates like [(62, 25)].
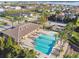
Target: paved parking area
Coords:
[(55, 23), (5, 27)]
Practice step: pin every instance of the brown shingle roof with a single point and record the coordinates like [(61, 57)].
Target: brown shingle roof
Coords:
[(21, 30)]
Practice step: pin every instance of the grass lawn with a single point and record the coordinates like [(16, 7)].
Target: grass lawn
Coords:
[(76, 35), (77, 23)]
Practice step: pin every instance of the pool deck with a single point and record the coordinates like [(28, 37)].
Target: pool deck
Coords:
[(29, 43)]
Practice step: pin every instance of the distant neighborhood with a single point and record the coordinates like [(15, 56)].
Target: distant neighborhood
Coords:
[(39, 30)]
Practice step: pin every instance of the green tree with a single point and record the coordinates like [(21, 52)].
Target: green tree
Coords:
[(58, 11), (77, 22), (20, 18), (72, 56), (70, 35), (42, 20), (8, 49), (9, 42), (2, 43), (68, 29), (11, 19), (33, 54), (44, 17)]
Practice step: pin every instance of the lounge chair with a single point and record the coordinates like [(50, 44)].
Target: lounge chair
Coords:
[(55, 52), (33, 43)]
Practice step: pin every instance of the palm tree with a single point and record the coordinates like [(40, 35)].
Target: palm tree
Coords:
[(17, 18), (57, 12), (11, 19), (2, 45), (9, 49), (71, 56), (44, 18), (9, 42), (77, 22), (29, 53)]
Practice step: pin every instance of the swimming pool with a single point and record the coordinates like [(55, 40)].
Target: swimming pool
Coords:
[(45, 43)]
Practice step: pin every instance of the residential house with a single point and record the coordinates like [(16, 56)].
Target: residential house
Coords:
[(2, 10), (21, 31)]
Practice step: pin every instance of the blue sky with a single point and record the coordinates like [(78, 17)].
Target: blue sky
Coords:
[(69, 3), (75, 3)]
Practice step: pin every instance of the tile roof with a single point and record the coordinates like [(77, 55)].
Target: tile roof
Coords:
[(21, 30)]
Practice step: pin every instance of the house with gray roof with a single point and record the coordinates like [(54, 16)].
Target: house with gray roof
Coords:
[(21, 30)]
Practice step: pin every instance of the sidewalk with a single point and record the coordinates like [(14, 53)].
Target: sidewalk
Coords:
[(64, 50)]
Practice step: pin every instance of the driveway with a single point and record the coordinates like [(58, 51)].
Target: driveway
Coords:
[(5, 27), (55, 23)]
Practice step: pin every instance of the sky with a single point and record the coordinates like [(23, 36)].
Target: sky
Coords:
[(75, 3), (67, 3)]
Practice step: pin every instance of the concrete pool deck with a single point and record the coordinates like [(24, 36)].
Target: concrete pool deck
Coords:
[(29, 42)]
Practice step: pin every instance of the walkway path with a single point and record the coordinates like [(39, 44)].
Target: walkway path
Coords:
[(64, 50)]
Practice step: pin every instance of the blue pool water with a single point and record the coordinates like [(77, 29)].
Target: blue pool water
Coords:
[(45, 43)]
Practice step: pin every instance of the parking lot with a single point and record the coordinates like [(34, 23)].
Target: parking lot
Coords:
[(7, 26)]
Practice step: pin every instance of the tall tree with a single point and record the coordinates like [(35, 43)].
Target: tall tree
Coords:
[(19, 19), (2, 43), (11, 19), (44, 17), (9, 42), (11, 50)]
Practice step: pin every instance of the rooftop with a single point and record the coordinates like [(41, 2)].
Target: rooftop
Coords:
[(21, 30)]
